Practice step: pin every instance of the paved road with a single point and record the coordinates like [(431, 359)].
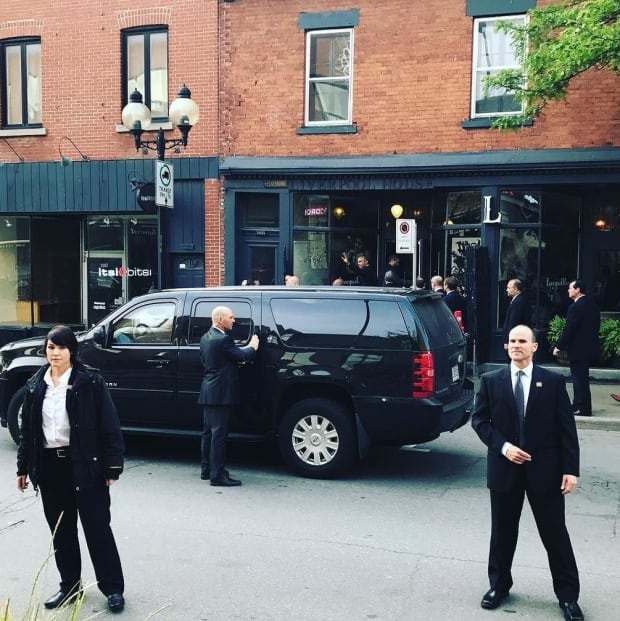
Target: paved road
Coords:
[(404, 538)]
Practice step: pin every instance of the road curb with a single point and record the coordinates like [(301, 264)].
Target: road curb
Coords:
[(597, 422)]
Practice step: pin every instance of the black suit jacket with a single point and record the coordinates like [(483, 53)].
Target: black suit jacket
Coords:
[(220, 358), (456, 302), (550, 431), (580, 339), (519, 313)]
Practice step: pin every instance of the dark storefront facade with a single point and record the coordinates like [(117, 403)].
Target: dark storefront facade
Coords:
[(542, 216), (75, 244)]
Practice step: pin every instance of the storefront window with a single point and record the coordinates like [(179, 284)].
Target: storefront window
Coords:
[(56, 268), (519, 206), (258, 210), (142, 256), (310, 257), (350, 227), (122, 261), (311, 210), (460, 208), (544, 257), (105, 233), (15, 274)]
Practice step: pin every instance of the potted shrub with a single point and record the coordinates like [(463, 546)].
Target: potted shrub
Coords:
[(609, 336), (554, 330)]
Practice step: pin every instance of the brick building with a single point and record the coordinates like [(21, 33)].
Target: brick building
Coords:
[(74, 243), (315, 118), (334, 112)]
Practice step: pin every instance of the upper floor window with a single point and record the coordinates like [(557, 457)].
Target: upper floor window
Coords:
[(493, 51), (145, 68), (329, 77), (21, 83)]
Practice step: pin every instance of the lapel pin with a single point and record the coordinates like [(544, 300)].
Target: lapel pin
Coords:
[(538, 384)]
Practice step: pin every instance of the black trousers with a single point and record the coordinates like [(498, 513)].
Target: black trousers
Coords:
[(580, 377), (62, 504), (548, 510), (213, 442)]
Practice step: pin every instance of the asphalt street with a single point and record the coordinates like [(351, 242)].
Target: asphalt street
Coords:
[(404, 537)]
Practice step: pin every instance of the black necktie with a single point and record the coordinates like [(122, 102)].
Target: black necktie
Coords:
[(520, 403)]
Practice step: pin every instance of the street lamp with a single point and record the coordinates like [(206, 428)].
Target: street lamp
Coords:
[(183, 113)]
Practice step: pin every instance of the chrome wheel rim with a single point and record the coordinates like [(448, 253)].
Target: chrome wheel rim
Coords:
[(315, 440)]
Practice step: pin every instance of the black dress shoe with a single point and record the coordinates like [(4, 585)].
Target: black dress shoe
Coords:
[(61, 598), (493, 598), (116, 602), (205, 476), (571, 611), (225, 482)]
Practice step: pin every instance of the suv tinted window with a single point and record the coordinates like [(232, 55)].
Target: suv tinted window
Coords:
[(151, 323), (201, 320), (331, 323), (438, 322)]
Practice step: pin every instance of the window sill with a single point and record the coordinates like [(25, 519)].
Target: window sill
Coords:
[(23, 131), (486, 123), (327, 129), (153, 127)]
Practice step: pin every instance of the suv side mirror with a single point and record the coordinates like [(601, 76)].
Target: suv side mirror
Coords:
[(99, 335)]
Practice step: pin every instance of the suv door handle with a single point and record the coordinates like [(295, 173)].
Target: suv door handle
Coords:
[(158, 362)]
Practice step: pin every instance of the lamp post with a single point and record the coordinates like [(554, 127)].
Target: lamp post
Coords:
[(184, 113)]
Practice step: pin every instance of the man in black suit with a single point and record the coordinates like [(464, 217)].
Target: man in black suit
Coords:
[(219, 393), (365, 276), (454, 300), (519, 310), (524, 417), (580, 340)]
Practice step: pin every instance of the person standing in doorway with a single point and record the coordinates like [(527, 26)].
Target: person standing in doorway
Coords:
[(220, 392), (365, 276), (71, 447), (437, 284), (454, 300), (519, 310), (523, 416), (580, 340), (392, 276)]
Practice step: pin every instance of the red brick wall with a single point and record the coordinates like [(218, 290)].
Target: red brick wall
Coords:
[(412, 82), (81, 68)]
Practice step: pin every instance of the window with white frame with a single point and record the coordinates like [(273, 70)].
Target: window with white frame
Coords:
[(493, 52), (329, 77), (145, 68), (21, 83)]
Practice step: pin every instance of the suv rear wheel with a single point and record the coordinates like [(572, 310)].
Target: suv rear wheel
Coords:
[(317, 438), (14, 413)]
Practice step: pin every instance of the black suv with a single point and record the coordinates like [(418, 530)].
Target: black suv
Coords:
[(338, 368)]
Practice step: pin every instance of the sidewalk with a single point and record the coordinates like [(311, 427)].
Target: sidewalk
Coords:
[(603, 381)]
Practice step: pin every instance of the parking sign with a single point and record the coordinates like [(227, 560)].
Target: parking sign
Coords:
[(164, 184)]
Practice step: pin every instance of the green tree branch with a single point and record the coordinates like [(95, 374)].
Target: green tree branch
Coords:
[(559, 42)]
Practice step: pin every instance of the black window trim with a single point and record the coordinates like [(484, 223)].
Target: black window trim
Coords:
[(23, 42), (147, 31)]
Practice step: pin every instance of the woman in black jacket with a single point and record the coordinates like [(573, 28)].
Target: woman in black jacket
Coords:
[(71, 447)]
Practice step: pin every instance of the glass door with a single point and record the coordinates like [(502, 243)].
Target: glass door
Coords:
[(106, 287)]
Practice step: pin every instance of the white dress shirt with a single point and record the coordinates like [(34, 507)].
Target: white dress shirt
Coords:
[(56, 429)]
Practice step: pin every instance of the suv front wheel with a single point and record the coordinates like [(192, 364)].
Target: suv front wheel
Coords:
[(317, 438)]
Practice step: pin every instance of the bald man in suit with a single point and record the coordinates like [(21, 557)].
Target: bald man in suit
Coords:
[(523, 415)]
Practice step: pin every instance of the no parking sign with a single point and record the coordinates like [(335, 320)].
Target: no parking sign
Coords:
[(406, 236), (407, 243)]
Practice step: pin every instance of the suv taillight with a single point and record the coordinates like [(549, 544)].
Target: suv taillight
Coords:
[(423, 380)]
